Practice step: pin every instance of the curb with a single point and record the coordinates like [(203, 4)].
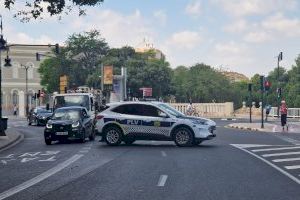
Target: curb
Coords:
[(12, 143)]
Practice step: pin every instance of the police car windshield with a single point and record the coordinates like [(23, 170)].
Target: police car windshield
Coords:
[(170, 110), (66, 115)]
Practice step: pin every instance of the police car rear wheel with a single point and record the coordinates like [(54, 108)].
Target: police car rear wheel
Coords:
[(183, 137), (113, 136)]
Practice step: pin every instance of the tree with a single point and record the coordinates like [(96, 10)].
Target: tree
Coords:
[(80, 60), (35, 8)]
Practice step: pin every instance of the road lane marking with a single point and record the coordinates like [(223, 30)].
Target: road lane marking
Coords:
[(83, 151), (292, 167), (40, 177), (162, 180), (86, 148), (275, 149), (286, 160), (269, 163), (163, 153), (281, 154)]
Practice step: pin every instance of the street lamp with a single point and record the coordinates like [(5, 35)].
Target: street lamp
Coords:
[(279, 58), (3, 47), (26, 67)]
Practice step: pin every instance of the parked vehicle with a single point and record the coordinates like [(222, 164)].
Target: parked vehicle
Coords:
[(69, 123), (130, 121), (39, 116)]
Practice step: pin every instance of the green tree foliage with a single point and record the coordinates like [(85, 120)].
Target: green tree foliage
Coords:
[(34, 9)]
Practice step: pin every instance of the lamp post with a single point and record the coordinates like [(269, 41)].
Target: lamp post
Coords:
[(3, 47), (26, 67), (279, 58)]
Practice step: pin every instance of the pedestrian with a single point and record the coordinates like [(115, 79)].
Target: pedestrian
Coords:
[(283, 112), (190, 108), (15, 110)]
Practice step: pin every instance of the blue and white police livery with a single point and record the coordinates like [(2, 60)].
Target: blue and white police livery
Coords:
[(130, 121)]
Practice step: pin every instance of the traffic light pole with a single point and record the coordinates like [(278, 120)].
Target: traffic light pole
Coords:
[(250, 98), (262, 100)]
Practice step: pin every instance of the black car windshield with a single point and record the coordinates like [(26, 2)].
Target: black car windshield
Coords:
[(43, 110), (66, 115), (170, 110)]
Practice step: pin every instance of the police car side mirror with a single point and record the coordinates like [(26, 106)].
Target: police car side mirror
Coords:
[(163, 115)]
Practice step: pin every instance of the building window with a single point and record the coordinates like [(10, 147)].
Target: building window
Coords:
[(15, 98)]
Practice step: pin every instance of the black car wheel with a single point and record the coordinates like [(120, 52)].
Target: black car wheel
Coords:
[(92, 135), (183, 137), (48, 141), (113, 135), (82, 140)]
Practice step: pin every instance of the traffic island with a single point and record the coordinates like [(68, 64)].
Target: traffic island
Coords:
[(253, 127), (11, 139)]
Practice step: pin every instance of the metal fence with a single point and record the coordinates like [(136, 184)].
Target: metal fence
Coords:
[(292, 112)]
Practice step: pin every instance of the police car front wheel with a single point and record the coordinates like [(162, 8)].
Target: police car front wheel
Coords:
[(113, 136), (183, 137)]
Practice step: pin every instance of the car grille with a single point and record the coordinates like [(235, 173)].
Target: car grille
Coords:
[(61, 128)]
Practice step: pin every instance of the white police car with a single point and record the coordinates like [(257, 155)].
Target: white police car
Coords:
[(130, 121)]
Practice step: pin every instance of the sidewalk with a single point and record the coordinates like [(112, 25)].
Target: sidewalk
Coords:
[(294, 127), (12, 138)]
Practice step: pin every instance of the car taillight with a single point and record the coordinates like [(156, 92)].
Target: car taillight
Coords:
[(98, 117)]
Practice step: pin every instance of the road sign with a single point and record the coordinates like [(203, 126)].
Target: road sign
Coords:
[(147, 92), (108, 75), (63, 83)]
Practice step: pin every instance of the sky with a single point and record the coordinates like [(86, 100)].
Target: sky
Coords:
[(244, 36)]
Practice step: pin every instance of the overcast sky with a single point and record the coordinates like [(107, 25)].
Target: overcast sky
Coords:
[(239, 35)]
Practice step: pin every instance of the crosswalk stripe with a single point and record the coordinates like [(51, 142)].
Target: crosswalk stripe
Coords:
[(286, 159), (281, 154), (292, 167), (275, 149)]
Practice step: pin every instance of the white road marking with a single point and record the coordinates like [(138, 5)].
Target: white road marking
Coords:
[(281, 154), (40, 177), (292, 167), (271, 164), (3, 162), (86, 148), (163, 153), (275, 149), (83, 151), (251, 145), (51, 159), (274, 129), (286, 160), (24, 160), (162, 180)]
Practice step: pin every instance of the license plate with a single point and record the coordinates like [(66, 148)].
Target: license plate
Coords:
[(61, 133)]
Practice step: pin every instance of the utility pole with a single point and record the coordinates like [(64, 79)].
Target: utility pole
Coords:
[(26, 85), (262, 99), (250, 99), (279, 58)]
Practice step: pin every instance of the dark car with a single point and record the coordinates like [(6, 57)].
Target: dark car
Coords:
[(39, 116), (69, 123)]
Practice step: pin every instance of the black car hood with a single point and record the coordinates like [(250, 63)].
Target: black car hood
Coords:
[(45, 114), (61, 122)]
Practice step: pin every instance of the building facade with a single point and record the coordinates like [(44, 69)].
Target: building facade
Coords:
[(14, 78)]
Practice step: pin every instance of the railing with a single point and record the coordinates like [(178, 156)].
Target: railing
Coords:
[(292, 112), (208, 109)]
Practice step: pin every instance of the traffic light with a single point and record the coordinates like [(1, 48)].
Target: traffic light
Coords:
[(267, 85), (7, 62), (39, 94), (38, 57), (57, 48)]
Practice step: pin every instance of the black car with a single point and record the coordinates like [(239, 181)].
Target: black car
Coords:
[(69, 123), (39, 116)]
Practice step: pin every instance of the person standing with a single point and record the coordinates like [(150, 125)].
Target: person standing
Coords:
[(283, 112), (15, 110)]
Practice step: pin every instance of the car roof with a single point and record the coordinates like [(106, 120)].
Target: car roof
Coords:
[(71, 108), (134, 102)]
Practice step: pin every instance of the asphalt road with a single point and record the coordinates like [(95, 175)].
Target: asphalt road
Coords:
[(235, 165)]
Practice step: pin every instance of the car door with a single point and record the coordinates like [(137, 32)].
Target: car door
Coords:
[(155, 121), (87, 121)]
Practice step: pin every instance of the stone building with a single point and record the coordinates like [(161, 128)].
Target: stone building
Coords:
[(14, 78)]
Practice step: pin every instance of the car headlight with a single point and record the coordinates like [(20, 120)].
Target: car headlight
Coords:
[(75, 124), (49, 126), (198, 121)]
